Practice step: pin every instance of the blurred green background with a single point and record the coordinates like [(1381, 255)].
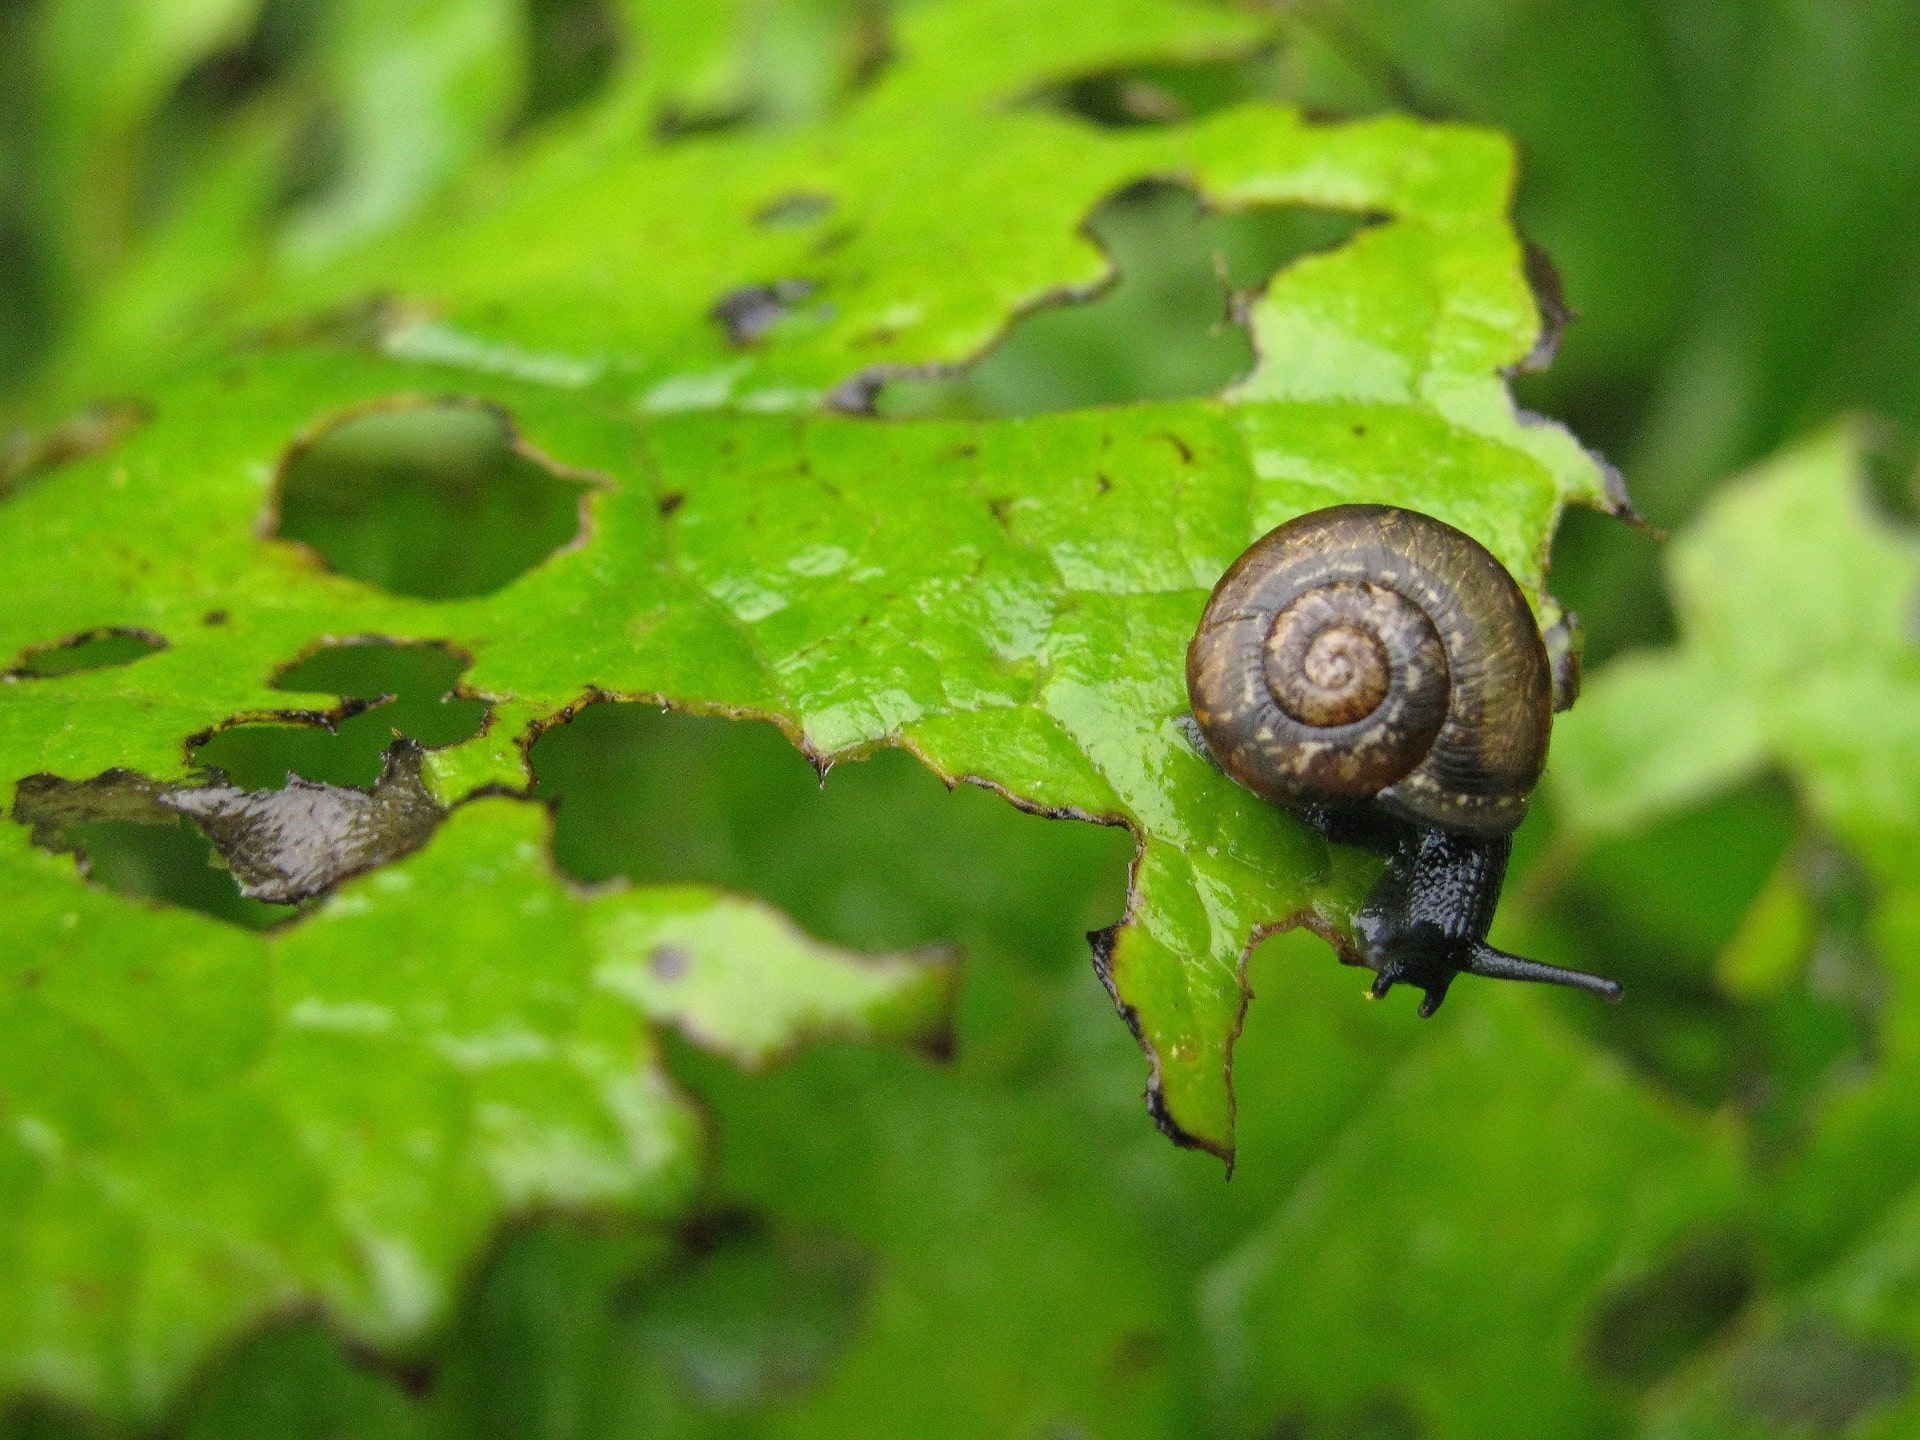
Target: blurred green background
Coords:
[(1731, 195)]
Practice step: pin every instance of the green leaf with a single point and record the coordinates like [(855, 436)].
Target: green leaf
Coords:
[(1796, 605), (1457, 1235), (207, 1127), (1009, 599), (998, 1245)]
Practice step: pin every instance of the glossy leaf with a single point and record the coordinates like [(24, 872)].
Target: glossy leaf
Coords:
[(1008, 599)]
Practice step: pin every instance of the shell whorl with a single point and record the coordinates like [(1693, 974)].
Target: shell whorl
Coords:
[(1364, 652)]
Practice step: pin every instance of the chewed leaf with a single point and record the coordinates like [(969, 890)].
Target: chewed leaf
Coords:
[(337, 1115), (737, 977), (644, 351)]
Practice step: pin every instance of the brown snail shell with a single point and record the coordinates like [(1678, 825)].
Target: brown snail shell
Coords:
[(1365, 652)]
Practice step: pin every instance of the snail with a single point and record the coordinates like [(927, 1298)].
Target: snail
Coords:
[(1380, 674)]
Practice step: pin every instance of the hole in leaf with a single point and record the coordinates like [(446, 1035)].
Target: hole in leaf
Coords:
[(1890, 461), (1167, 327), (1645, 1331), (437, 501), (411, 687), (1305, 67), (1813, 1374), (1167, 92), (174, 864), (572, 46), (789, 65), (95, 650), (664, 797), (800, 207)]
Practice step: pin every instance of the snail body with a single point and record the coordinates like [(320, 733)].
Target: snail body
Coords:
[(1379, 673)]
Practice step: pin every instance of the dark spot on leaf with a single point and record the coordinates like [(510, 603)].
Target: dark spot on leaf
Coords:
[(1359, 431), (390, 688), (439, 501), (669, 962), (231, 76), (25, 454), (859, 393), (685, 122), (1002, 508), (1103, 484), (571, 49), (1137, 1352), (281, 845), (1181, 275), (1816, 1375), (1550, 298), (670, 502), (1381, 1416), (367, 323), (1180, 447), (750, 312), (95, 650), (214, 617), (1167, 92), (754, 1316), (799, 207), (834, 239), (870, 44), (1643, 1331)]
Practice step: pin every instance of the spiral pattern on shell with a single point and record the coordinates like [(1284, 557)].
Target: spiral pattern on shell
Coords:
[(1368, 652)]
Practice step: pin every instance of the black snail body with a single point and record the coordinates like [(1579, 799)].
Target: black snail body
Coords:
[(1380, 674)]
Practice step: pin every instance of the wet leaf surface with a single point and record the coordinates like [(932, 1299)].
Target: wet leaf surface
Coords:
[(1009, 599)]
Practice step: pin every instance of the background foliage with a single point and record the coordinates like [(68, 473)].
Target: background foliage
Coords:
[(1692, 1216)]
